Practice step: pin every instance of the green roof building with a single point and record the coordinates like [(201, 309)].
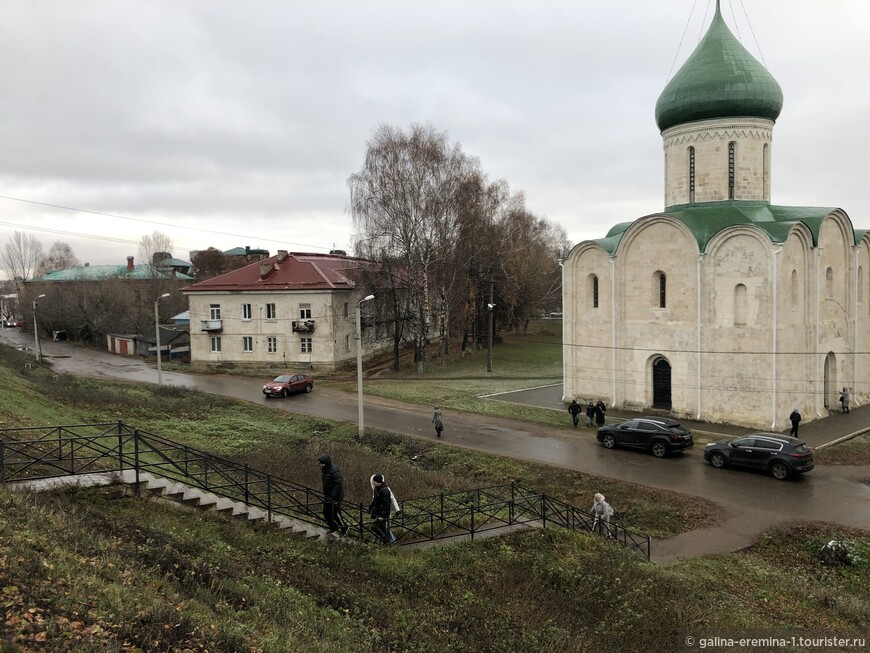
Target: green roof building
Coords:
[(722, 306)]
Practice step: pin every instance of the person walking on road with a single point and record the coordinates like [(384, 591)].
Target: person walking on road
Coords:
[(590, 413), (844, 401), (601, 514), (382, 503), (600, 409), (438, 421), (574, 409), (795, 418), (333, 494)]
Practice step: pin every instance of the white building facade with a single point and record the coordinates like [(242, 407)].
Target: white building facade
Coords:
[(723, 307)]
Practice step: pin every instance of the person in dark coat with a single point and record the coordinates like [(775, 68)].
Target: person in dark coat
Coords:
[(379, 509), (795, 418), (600, 409), (574, 409), (590, 413), (437, 420), (333, 494)]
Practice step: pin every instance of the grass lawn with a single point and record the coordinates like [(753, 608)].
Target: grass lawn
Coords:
[(851, 452)]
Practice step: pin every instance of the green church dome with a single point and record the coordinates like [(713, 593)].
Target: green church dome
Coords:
[(720, 79)]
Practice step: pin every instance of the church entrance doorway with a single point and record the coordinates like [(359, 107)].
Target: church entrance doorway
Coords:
[(661, 382), (830, 392)]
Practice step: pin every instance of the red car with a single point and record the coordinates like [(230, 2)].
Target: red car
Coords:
[(286, 384)]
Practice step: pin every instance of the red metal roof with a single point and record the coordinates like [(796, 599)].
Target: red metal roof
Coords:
[(294, 271)]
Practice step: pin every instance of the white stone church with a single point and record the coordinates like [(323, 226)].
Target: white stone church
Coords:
[(724, 307)]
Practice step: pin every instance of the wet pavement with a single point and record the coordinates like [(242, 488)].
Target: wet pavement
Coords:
[(748, 502)]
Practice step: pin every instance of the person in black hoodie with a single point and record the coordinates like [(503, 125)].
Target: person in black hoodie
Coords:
[(333, 494), (379, 509)]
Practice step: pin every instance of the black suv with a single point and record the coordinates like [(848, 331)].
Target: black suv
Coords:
[(657, 434), (779, 455)]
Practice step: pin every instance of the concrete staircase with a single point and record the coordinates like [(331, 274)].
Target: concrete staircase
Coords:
[(156, 487)]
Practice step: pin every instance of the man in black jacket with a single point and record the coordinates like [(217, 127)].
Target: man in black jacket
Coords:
[(333, 494)]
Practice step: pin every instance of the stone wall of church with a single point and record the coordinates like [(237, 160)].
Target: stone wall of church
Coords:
[(710, 138)]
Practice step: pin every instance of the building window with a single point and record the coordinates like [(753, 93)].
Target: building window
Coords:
[(246, 311), (794, 289), (346, 310), (593, 290), (305, 311), (347, 342), (829, 283), (247, 344), (691, 175), (660, 289), (732, 146), (765, 173), (271, 313), (739, 305), (215, 344), (306, 345), (214, 311), (271, 344)]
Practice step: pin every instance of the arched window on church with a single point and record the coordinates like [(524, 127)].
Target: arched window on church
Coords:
[(660, 289), (794, 290), (593, 290), (691, 175), (765, 173), (739, 305), (732, 151), (829, 283)]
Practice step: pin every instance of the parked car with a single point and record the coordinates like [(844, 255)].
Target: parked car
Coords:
[(781, 456), (660, 435), (286, 384)]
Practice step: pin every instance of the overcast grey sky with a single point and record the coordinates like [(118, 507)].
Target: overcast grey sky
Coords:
[(238, 123)]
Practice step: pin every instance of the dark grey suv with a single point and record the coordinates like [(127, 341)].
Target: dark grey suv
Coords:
[(781, 456), (660, 435)]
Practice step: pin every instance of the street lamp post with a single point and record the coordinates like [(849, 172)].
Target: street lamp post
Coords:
[(359, 389), (489, 342), (157, 336), (36, 350)]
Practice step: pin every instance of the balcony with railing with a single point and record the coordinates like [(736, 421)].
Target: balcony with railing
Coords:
[(212, 325), (303, 326)]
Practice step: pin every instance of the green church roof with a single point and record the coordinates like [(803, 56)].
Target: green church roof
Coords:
[(720, 79), (709, 218)]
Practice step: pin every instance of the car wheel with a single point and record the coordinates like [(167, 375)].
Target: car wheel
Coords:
[(717, 460), (286, 393), (779, 471), (659, 450), (309, 388), (608, 441)]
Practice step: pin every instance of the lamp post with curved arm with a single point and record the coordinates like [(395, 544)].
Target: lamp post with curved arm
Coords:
[(157, 336), (359, 387)]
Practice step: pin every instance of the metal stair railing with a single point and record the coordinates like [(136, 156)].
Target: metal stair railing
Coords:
[(49, 452)]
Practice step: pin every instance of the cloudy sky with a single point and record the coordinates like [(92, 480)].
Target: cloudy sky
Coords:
[(227, 124)]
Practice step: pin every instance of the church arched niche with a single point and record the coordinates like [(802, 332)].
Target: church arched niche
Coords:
[(592, 290), (831, 383), (740, 305), (660, 369), (659, 289), (829, 283)]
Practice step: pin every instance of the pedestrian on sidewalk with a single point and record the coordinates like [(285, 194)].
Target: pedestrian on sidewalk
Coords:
[(795, 419), (382, 503), (574, 409), (438, 421), (601, 514), (333, 494), (600, 409), (844, 401), (590, 413)]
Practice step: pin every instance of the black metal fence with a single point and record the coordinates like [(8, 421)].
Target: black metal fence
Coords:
[(49, 452)]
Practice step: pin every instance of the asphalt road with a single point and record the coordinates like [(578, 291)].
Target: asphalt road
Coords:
[(748, 502)]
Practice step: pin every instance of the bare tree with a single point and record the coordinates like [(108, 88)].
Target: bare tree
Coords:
[(19, 258), (154, 247), (405, 207), (60, 257)]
